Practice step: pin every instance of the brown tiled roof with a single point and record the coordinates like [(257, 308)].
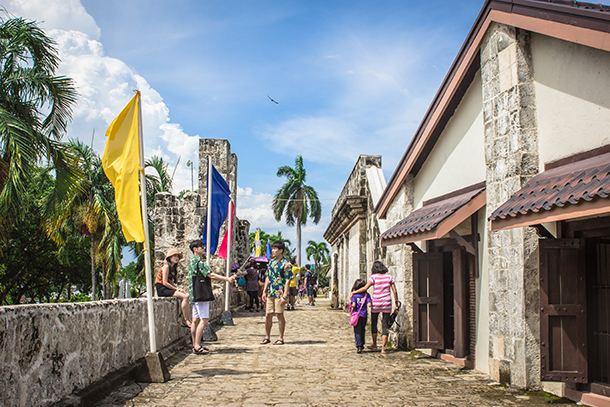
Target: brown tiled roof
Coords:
[(560, 187), (431, 215)]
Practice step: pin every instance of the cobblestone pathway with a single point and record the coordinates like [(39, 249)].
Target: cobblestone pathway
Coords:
[(318, 366)]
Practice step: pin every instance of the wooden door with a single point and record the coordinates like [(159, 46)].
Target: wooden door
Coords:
[(428, 300), (563, 318)]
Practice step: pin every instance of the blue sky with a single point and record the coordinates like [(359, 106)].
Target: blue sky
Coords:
[(350, 78)]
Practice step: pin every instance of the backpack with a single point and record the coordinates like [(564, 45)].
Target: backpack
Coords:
[(313, 279)]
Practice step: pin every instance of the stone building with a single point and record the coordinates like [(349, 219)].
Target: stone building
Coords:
[(180, 221), (498, 212)]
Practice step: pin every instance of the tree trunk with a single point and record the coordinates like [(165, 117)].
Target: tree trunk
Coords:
[(298, 241), (93, 285)]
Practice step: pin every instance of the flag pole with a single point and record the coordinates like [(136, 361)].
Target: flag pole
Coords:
[(208, 217), (149, 286), (229, 238)]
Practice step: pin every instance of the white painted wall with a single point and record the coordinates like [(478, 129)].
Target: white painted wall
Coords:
[(572, 84), (458, 158), (354, 256), (481, 362)]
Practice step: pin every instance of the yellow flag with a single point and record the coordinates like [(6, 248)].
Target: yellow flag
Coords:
[(257, 245), (121, 163)]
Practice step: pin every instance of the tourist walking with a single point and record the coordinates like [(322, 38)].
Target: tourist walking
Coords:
[(382, 284), (275, 291), (201, 309), (252, 286), (311, 282), (165, 283), (359, 303), (293, 290)]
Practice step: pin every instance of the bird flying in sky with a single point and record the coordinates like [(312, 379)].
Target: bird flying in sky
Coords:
[(272, 100)]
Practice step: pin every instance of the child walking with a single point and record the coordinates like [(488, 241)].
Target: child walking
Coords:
[(359, 304)]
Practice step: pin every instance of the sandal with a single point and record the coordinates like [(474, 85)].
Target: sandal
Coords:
[(265, 341), (200, 351), (278, 342)]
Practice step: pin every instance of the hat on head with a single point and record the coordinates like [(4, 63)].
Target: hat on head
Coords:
[(173, 252)]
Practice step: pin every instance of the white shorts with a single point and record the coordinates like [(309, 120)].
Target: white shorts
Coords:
[(201, 310)]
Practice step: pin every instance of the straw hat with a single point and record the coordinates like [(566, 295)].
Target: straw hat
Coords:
[(172, 252)]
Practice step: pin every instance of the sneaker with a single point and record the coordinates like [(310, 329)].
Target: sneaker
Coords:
[(359, 350)]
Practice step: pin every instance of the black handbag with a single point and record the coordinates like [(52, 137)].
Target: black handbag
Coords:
[(202, 287)]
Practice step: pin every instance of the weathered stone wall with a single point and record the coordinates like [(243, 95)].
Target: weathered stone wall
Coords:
[(511, 148), (49, 351), (398, 260), (224, 161), (177, 223), (357, 181)]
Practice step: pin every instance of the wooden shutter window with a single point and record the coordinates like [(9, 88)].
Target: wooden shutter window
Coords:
[(428, 300), (563, 318)]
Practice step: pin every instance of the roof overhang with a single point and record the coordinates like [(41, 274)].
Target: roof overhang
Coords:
[(451, 212), (574, 190), (586, 26), (352, 209)]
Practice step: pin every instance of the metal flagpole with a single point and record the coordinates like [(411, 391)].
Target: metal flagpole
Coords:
[(209, 213), (229, 238), (149, 286)]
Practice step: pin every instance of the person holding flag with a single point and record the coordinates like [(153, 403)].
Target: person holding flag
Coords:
[(275, 291)]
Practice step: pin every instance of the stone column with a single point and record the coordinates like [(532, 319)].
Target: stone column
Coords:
[(399, 261), (511, 156), (220, 151)]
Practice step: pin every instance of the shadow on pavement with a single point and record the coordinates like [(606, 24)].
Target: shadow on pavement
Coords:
[(231, 350), (220, 372), (305, 342)]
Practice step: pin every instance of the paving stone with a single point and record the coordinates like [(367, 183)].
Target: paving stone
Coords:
[(318, 366)]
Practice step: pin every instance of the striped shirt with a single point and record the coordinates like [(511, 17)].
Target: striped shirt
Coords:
[(382, 300)]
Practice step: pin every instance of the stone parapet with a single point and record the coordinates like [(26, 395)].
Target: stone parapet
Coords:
[(50, 351)]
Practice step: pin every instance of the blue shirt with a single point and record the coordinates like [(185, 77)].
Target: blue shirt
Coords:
[(357, 299)]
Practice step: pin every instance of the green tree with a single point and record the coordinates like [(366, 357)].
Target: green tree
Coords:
[(34, 266), (296, 200), (318, 252), (35, 107), (93, 210)]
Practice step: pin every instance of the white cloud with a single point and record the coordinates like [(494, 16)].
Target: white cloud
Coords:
[(319, 139), (105, 85), (63, 14)]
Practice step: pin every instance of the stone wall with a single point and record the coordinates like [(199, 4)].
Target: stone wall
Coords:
[(511, 155), (398, 260), (49, 351)]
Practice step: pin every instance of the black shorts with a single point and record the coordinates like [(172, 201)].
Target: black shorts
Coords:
[(163, 291), (293, 291)]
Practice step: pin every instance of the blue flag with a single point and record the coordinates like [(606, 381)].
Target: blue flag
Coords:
[(268, 250), (221, 195)]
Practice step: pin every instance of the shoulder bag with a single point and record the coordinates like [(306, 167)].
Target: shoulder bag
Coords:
[(202, 287), (356, 315)]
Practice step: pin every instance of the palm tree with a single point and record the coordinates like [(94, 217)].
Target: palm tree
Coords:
[(92, 209), (35, 107), (318, 251), (296, 200)]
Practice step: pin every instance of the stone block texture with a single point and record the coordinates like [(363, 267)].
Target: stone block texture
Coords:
[(511, 155)]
